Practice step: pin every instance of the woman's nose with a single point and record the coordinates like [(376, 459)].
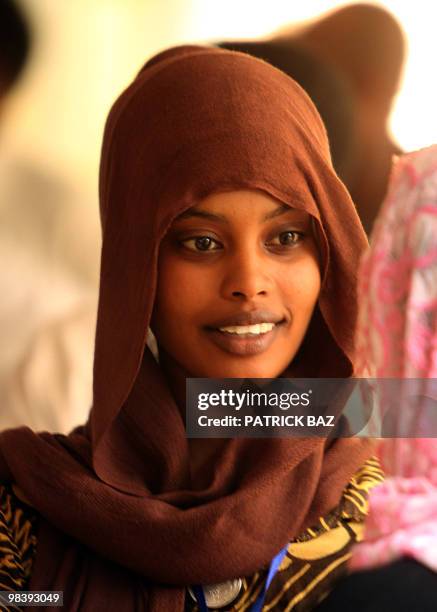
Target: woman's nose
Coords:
[(246, 276)]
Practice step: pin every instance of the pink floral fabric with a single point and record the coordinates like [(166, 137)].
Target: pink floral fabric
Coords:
[(397, 338)]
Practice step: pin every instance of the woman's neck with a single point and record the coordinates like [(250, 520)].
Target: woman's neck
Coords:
[(203, 451)]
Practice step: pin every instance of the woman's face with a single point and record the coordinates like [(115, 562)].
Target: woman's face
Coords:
[(238, 279)]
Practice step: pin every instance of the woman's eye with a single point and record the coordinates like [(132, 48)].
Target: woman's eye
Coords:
[(201, 243), (288, 238)]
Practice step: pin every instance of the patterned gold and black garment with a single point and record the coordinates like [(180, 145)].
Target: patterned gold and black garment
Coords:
[(314, 561), (317, 558), (17, 543)]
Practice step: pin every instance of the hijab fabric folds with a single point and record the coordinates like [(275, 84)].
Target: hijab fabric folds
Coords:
[(122, 520)]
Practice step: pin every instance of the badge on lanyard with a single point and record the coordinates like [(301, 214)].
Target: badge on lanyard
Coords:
[(220, 594), (215, 596)]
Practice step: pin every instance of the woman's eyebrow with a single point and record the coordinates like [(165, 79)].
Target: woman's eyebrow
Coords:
[(282, 209)]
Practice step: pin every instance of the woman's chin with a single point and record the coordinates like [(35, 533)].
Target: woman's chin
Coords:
[(243, 371)]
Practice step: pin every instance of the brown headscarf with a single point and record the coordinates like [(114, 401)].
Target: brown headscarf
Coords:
[(325, 85), (122, 524)]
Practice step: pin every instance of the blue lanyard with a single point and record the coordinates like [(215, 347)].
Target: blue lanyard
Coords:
[(258, 605)]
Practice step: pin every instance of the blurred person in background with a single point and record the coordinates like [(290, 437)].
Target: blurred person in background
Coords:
[(366, 46), (15, 45), (349, 62), (397, 341), (47, 272)]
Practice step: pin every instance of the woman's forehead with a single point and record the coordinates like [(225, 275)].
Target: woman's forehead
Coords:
[(259, 205)]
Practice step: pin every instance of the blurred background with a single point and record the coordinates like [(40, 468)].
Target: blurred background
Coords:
[(81, 55), (86, 51)]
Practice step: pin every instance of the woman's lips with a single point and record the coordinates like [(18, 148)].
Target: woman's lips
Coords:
[(244, 344)]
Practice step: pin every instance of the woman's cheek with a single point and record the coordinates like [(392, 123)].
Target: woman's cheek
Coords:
[(183, 291), (301, 286)]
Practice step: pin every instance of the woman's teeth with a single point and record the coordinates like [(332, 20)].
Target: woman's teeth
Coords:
[(259, 328)]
